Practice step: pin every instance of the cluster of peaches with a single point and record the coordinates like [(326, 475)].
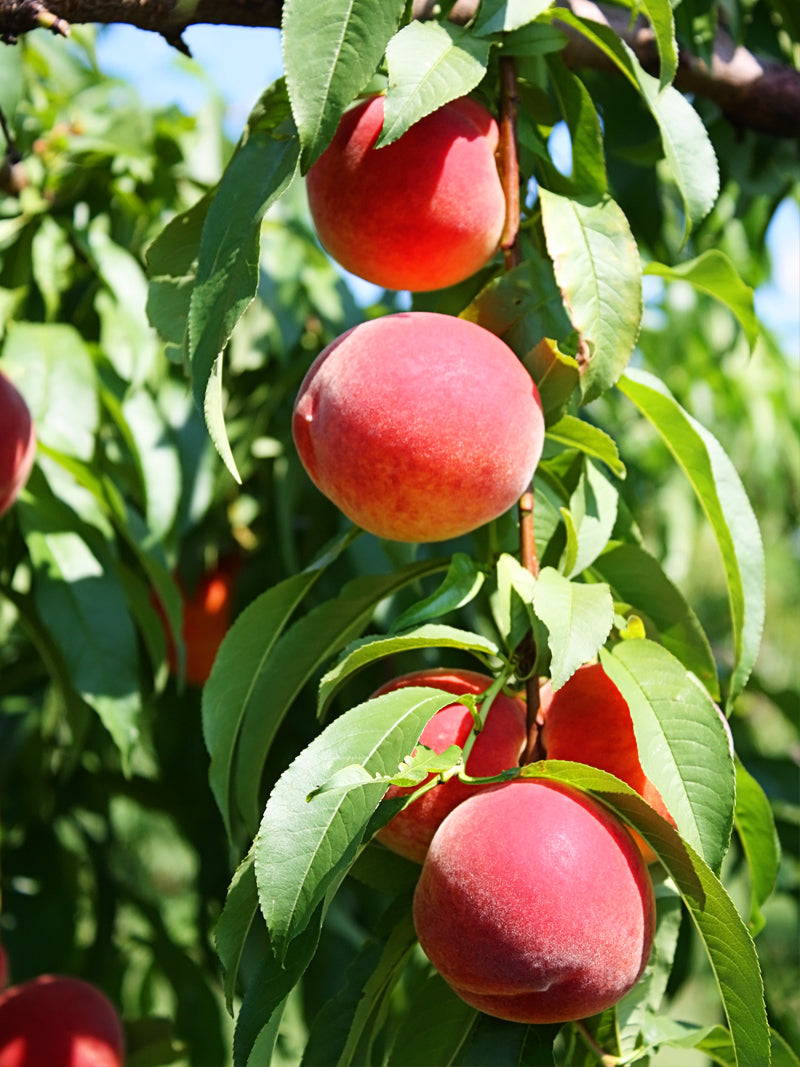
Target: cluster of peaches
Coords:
[(534, 903)]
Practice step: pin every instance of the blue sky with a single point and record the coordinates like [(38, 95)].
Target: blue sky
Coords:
[(241, 61)]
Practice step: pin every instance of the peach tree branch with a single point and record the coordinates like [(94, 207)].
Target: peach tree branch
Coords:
[(752, 92)]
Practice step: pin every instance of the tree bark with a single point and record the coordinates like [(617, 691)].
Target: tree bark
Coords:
[(752, 93)]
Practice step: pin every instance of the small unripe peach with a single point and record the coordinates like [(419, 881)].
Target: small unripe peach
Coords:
[(534, 904), (59, 1021), (425, 211), (419, 426), (17, 443), (497, 747)]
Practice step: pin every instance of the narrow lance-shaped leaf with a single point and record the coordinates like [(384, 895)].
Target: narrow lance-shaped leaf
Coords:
[(713, 273), (460, 585), (233, 684), (573, 432), (233, 925), (330, 52), (682, 742), (722, 496), (291, 663), (583, 122), (504, 16), (430, 63), (730, 948), (597, 267), (227, 271), (687, 147), (372, 648), (637, 579), (303, 845), (759, 838)]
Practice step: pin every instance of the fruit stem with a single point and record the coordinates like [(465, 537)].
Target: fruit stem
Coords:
[(606, 1059), (508, 161)]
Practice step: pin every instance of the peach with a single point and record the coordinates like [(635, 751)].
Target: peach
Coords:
[(534, 903), (419, 426), (497, 747), (422, 213), (59, 1021), (17, 443), (587, 720)]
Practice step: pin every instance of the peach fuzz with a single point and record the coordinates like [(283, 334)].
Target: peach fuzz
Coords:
[(588, 720), (534, 904), (422, 213), (59, 1021), (17, 443), (419, 426), (497, 747)]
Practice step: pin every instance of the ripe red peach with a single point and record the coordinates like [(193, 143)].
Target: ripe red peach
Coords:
[(59, 1021), (419, 426), (422, 213), (17, 443), (589, 721), (497, 747), (534, 903)]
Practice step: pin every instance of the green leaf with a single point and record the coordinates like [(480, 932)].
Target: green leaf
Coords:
[(304, 847), (233, 685), (522, 306), (503, 16), (593, 512), (158, 460), (597, 267), (290, 664), (235, 920), (83, 606), (227, 270), (264, 1001), (759, 838), (53, 369), (683, 745), (372, 648), (434, 1027), (729, 946), (713, 273), (430, 63), (722, 496), (461, 584), (330, 52), (583, 122), (578, 619), (535, 39), (172, 269), (573, 432), (343, 1027), (659, 13), (648, 993), (496, 1043), (687, 147), (637, 579)]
